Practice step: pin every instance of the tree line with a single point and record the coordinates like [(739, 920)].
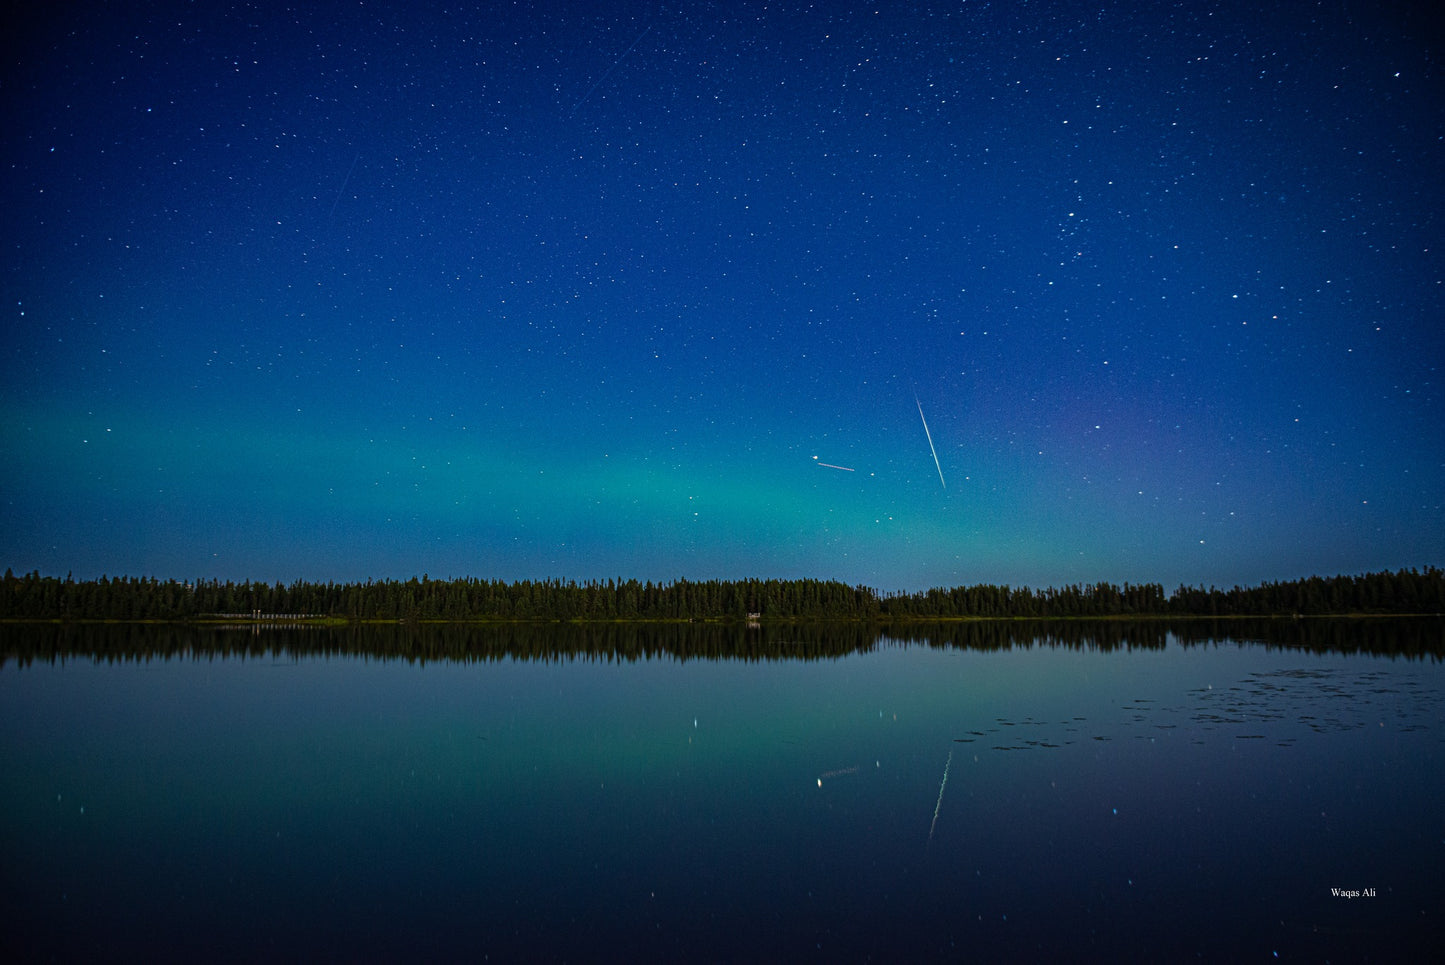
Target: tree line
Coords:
[(36, 597)]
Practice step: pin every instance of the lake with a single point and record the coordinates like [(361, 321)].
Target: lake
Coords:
[(989, 791)]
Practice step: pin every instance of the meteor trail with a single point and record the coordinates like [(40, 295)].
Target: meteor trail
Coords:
[(345, 181), (829, 465), (930, 443), (608, 73)]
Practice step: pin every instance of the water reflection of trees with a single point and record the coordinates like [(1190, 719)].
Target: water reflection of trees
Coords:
[(467, 643), (1010, 634), (1404, 637)]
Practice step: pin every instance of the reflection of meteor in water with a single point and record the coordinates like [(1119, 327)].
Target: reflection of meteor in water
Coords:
[(838, 773), (930, 443), (939, 806)]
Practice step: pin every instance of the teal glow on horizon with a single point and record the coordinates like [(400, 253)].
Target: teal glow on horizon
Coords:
[(340, 294)]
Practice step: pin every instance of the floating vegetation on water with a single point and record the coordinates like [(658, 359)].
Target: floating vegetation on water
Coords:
[(1266, 705)]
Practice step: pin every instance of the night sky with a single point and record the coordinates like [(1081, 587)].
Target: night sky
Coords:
[(338, 291)]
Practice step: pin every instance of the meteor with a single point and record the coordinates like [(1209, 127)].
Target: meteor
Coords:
[(930, 443), (829, 465), (608, 72)]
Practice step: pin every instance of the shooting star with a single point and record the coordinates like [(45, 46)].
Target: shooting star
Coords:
[(829, 465), (838, 773), (608, 73), (344, 182), (930, 442)]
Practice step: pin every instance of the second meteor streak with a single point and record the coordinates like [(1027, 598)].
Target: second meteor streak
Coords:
[(930, 443)]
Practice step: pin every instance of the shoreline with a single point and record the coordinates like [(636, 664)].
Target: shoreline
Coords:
[(341, 621)]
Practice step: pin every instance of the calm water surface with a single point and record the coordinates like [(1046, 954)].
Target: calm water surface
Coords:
[(898, 802)]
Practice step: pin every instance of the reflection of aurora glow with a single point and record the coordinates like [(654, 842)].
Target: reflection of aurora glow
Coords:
[(360, 805)]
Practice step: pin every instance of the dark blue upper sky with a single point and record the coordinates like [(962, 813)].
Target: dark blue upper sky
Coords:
[(343, 290)]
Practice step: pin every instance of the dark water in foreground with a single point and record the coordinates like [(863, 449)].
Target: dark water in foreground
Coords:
[(277, 794)]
